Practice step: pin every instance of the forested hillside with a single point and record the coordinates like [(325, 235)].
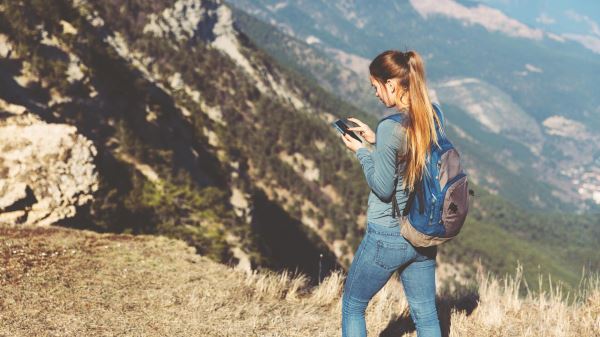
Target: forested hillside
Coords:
[(219, 142)]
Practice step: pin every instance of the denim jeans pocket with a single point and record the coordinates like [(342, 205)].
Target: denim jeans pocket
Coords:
[(390, 255)]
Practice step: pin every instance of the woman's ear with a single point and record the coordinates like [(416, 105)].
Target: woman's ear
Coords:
[(390, 85)]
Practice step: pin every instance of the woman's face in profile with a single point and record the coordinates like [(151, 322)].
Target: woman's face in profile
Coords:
[(387, 93), (383, 92)]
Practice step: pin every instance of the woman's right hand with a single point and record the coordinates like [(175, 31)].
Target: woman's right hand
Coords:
[(363, 130)]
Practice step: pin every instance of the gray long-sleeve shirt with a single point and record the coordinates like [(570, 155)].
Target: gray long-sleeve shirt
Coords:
[(379, 168)]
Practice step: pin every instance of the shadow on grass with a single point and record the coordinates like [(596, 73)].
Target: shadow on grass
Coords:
[(465, 301)]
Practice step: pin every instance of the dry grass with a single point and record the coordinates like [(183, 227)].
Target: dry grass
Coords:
[(61, 282)]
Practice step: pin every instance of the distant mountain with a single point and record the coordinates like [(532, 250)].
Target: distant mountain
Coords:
[(527, 87)]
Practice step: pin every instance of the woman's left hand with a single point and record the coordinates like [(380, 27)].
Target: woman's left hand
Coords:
[(351, 143)]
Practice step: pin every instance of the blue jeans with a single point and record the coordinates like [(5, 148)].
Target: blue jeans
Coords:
[(382, 251)]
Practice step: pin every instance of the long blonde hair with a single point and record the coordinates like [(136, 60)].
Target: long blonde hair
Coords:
[(408, 70)]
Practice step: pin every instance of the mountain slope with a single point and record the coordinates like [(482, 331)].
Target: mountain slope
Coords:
[(154, 111), (541, 80), (482, 144)]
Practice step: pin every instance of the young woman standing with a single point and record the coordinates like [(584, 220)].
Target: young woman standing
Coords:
[(399, 81)]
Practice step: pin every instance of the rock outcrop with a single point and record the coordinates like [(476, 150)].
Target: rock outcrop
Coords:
[(46, 170)]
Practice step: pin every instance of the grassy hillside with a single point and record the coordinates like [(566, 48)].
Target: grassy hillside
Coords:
[(58, 281)]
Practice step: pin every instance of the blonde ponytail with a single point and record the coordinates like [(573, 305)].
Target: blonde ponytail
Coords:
[(409, 71), (421, 133)]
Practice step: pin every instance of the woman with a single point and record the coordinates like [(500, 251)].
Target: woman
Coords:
[(399, 81)]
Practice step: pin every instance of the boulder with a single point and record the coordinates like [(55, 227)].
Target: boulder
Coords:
[(47, 170)]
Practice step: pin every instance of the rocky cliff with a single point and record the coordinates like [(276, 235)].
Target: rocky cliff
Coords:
[(192, 132), (46, 169)]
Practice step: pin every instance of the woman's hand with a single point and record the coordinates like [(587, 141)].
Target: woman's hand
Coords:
[(351, 142), (363, 130)]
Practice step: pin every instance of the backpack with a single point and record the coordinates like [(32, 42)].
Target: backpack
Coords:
[(437, 207)]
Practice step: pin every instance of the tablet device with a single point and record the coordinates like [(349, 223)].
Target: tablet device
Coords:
[(343, 128)]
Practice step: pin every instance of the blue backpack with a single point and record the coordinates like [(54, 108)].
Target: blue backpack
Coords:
[(437, 207)]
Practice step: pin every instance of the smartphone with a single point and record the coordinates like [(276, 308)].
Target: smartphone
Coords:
[(343, 128)]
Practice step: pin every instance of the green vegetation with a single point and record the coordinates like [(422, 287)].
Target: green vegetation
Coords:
[(181, 211), (501, 234)]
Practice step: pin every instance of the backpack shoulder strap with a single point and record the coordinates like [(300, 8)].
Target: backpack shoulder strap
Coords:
[(396, 117), (438, 111)]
